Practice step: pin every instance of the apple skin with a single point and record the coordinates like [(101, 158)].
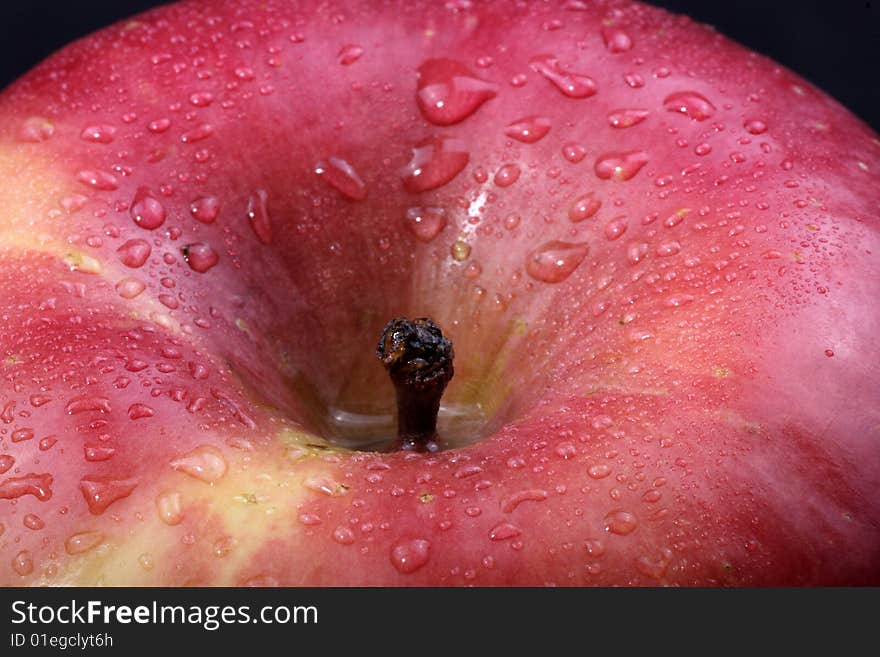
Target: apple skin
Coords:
[(692, 402)]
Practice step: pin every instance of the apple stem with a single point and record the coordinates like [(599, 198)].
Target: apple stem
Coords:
[(419, 361)]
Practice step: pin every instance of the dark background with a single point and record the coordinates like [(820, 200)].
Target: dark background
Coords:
[(832, 43)]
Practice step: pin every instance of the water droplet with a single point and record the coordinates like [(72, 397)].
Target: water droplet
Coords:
[(655, 565), (574, 153), (509, 503), (340, 175), (691, 104), (23, 563), (197, 134), (620, 166), (205, 463), (573, 85), (82, 542), (47, 442), (435, 161), (159, 125), (349, 54), (426, 223), (20, 435), (139, 411), (6, 462), (528, 129), (100, 492), (408, 556), (326, 486), (599, 471), (38, 400), (616, 40), (258, 215), (626, 118), (86, 403), (755, 127), (100, 180), (134, 253), (554, 261), (584, 207), (101, 134), (97, 453), (32, 521), (615, 228), (129, 288), (343, 536), (201, 98), (676, 300), (200, 257), (146, 210), (504, 531), (595, 547), (7, 415), (507, 175), (169, 507), (620, 522), (205, 209), (460, 250), (667, 249), (635, 252), (36, 129), (448, 92)]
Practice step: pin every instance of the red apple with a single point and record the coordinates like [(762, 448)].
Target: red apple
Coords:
[(654, 251)]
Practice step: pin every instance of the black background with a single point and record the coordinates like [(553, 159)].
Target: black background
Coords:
[(832, 43)]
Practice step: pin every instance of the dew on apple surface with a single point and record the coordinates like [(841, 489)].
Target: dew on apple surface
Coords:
[(138, 411), (99, 134), (554, 261), (159, 126), (666, 249), (134, 253), (349, 54), (460, 250), (97, 453), (573, 152), (129, 288), (615, 228), (626, 118), (408, 556), (23, 563), (594, 547), (258, 215), (529, 129), (504, 531), (426, 222), (435, 162), (47, 443), (690, 103), (200, 256), (197, 134), (620, 166), (755, 126), (87, 403), (620, 522), (38, 485), (6, 462), (96, 179), (205, 463), (33, 522), (19, 435), (507, 175), (616, 39), (599, 471), (343, 535), (201, 98), (100, 492), (35, 129), (512, 501), (146, 210), (447, 92), (342, 177), (572, 85), (83, 542)]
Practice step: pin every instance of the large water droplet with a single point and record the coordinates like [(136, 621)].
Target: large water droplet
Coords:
[(620, 522), (36, 129), (573, 85), (86, 403), (448, 92), (129, 288), (200, 257), (340, 175), (691, 104), (258, 215), (349, 54), (205, 463), (528, 129), (205, 209), (620, 166), (169, 507), (82, 542), (6, 462), (100, 180), (435, 161), (100, 492), (101, 134), (146, 210), (98, 453), (23, 563), (197, 134), (554, 261), (134, 253), (408, 556), (33, 522), (504, 531), (584, 207), (616, 40), (509, 503), (507, 175), (426, 223), (626, 118)]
